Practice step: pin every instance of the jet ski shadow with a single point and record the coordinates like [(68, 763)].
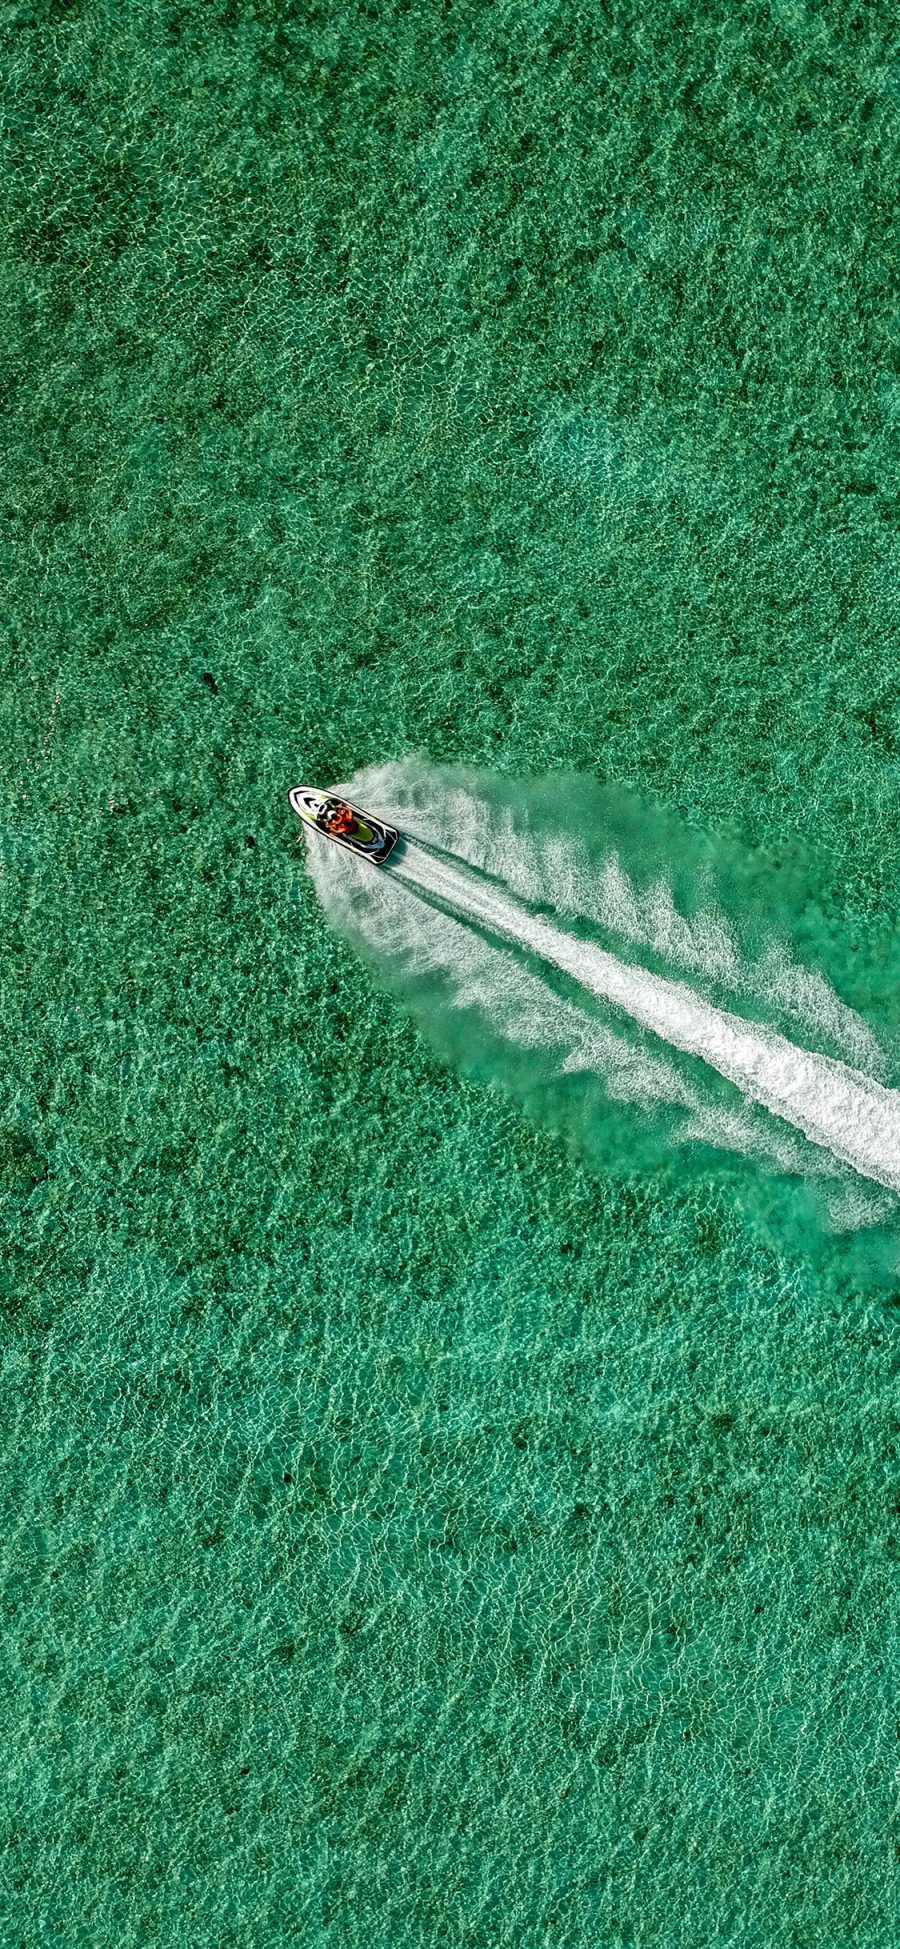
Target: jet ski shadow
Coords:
[(397, 853)]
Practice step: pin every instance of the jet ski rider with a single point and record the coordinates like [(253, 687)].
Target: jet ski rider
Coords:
[(339, 821)]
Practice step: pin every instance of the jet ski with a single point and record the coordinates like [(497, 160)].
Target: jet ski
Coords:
[(336, 819)]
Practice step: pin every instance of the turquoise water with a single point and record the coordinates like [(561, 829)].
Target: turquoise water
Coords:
[(444, 1501)]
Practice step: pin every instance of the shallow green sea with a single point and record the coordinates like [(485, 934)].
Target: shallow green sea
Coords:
[(413, 1533)]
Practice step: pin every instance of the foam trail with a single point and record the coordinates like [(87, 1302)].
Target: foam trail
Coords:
[(846, 1112), (686, 1002)]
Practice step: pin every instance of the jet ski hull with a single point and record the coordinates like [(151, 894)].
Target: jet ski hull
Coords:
[(344, 824)]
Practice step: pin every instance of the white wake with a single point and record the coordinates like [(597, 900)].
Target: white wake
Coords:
[(460, 914), (845, 1111)]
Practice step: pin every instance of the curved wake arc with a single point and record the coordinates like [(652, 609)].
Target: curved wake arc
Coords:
[(709, 1028), (846, 1112)]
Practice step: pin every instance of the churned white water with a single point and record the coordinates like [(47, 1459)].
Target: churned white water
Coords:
[(470, 913), (842, 1109)]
